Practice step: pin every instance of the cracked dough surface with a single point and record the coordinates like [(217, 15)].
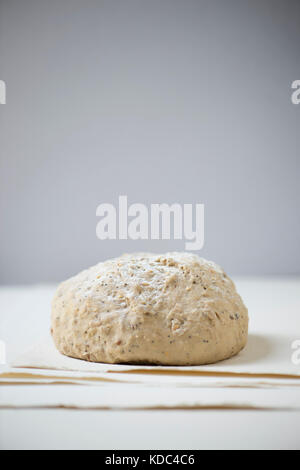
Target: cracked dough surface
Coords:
[(171, 309)]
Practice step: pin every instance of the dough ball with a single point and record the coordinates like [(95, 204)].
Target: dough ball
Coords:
[(172, 309)]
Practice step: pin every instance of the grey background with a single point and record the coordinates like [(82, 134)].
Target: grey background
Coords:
[(163, 100)]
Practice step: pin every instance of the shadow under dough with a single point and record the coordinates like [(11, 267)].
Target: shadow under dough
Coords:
[(257, 349)]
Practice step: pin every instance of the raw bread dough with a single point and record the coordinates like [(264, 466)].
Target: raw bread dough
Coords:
[(172, 309)]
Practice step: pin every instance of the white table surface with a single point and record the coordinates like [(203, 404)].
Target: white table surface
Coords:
[(24, 318)]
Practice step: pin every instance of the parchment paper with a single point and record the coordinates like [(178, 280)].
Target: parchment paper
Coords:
[(265, 356), (44, 377), (138, 397)]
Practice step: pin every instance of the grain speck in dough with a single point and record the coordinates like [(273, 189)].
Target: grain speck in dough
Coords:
[(172, 309)]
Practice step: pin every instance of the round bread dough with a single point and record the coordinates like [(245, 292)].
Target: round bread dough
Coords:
[(172, 309)]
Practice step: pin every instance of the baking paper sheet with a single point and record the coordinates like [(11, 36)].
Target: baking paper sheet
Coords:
[(264, 356), (42, 377), (140, 397)]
